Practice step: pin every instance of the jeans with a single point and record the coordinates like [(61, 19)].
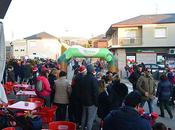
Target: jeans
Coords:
[(88, 117), (165, 104), (150, 104)]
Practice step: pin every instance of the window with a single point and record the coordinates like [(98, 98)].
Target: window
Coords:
[(160, 32), (131, 33), (16, 49)]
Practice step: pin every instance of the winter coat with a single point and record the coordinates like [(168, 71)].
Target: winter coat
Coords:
[(76, 88), (62, 91), (146, 84), (104, 104), (125, 118), (133, 78), (89, 90), (45, 86), (27, 71), (164, 90)]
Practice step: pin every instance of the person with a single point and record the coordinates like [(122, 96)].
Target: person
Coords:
[(164, 92), (111, 99), (89, 97), (52, 77), (10, 74), (45, 91), (75, 106), (134, 76), (62, 94), (127, 70), (160, 126), (127, 117), (146, 86)]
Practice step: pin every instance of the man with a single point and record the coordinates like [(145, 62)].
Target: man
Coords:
[(75, 106), (127, 117), (146, 86), (89, 97), (133, 78)]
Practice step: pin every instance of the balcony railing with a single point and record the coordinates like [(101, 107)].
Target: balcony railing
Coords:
[(130, 41)]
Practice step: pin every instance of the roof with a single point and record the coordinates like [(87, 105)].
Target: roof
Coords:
[(143, 19), (42, 35), (147, 19), (4, 4)]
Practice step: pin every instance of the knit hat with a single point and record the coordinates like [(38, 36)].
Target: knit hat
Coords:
[(82, 69)]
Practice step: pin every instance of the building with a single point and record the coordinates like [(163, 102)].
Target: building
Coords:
[(41, 45), (145, 38), (99, 41)]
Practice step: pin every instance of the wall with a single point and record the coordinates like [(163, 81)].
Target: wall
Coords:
[(150, 40), (45, 48), (121, 58)]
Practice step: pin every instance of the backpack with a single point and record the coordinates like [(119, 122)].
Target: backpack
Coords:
[(38, 86)]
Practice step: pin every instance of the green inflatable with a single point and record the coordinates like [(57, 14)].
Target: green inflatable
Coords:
[(102, 53)]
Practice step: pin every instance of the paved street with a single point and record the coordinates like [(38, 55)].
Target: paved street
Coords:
[(169, 122)]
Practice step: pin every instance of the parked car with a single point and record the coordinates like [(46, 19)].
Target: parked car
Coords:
[(155, 69)]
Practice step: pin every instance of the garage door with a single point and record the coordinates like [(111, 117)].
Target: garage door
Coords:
[(146, 58)]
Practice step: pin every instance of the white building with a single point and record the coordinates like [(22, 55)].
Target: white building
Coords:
[(42, 45)]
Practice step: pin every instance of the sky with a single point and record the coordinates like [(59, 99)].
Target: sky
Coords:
[(77, 18)]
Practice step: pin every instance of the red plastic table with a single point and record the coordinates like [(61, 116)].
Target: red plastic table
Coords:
[(26, 93), (26, 106)]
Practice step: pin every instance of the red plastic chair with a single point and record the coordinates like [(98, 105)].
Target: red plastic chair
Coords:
[(8, 86), (62, 125), (9, 128), (47, 113)]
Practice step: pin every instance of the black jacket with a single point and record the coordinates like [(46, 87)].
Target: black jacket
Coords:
[(125, 118), (89, 90), (164, 90)]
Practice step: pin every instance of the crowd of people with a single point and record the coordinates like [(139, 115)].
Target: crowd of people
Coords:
[(93, 93)]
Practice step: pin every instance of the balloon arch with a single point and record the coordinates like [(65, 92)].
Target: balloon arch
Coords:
[(102, 53)]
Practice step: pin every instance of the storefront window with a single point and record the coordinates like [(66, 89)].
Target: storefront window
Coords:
[(130, 60), (161, 60)]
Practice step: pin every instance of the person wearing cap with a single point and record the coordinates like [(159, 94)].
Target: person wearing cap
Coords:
[(89, 98), (75, 106), (127, 117), (146, 86)]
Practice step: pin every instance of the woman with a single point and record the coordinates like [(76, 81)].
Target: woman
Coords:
[(52, 77), (164, 92), (61, 98), (42, 87)]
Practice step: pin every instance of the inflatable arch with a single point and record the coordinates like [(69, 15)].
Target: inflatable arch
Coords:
[(102, 53)]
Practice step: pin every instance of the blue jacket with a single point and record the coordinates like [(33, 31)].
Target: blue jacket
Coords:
[(125, 118), (164, 90)]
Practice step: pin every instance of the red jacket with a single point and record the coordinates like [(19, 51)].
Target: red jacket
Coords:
[(46, 90)]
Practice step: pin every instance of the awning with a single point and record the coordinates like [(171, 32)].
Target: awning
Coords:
[(4, 4)]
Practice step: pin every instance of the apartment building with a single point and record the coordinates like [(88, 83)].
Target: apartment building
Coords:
[(145, 38)]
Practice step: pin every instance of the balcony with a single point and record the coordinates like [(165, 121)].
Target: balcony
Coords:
[(126, 41)]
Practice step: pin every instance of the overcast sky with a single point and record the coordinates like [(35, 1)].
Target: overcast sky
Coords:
[(80, 18)]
